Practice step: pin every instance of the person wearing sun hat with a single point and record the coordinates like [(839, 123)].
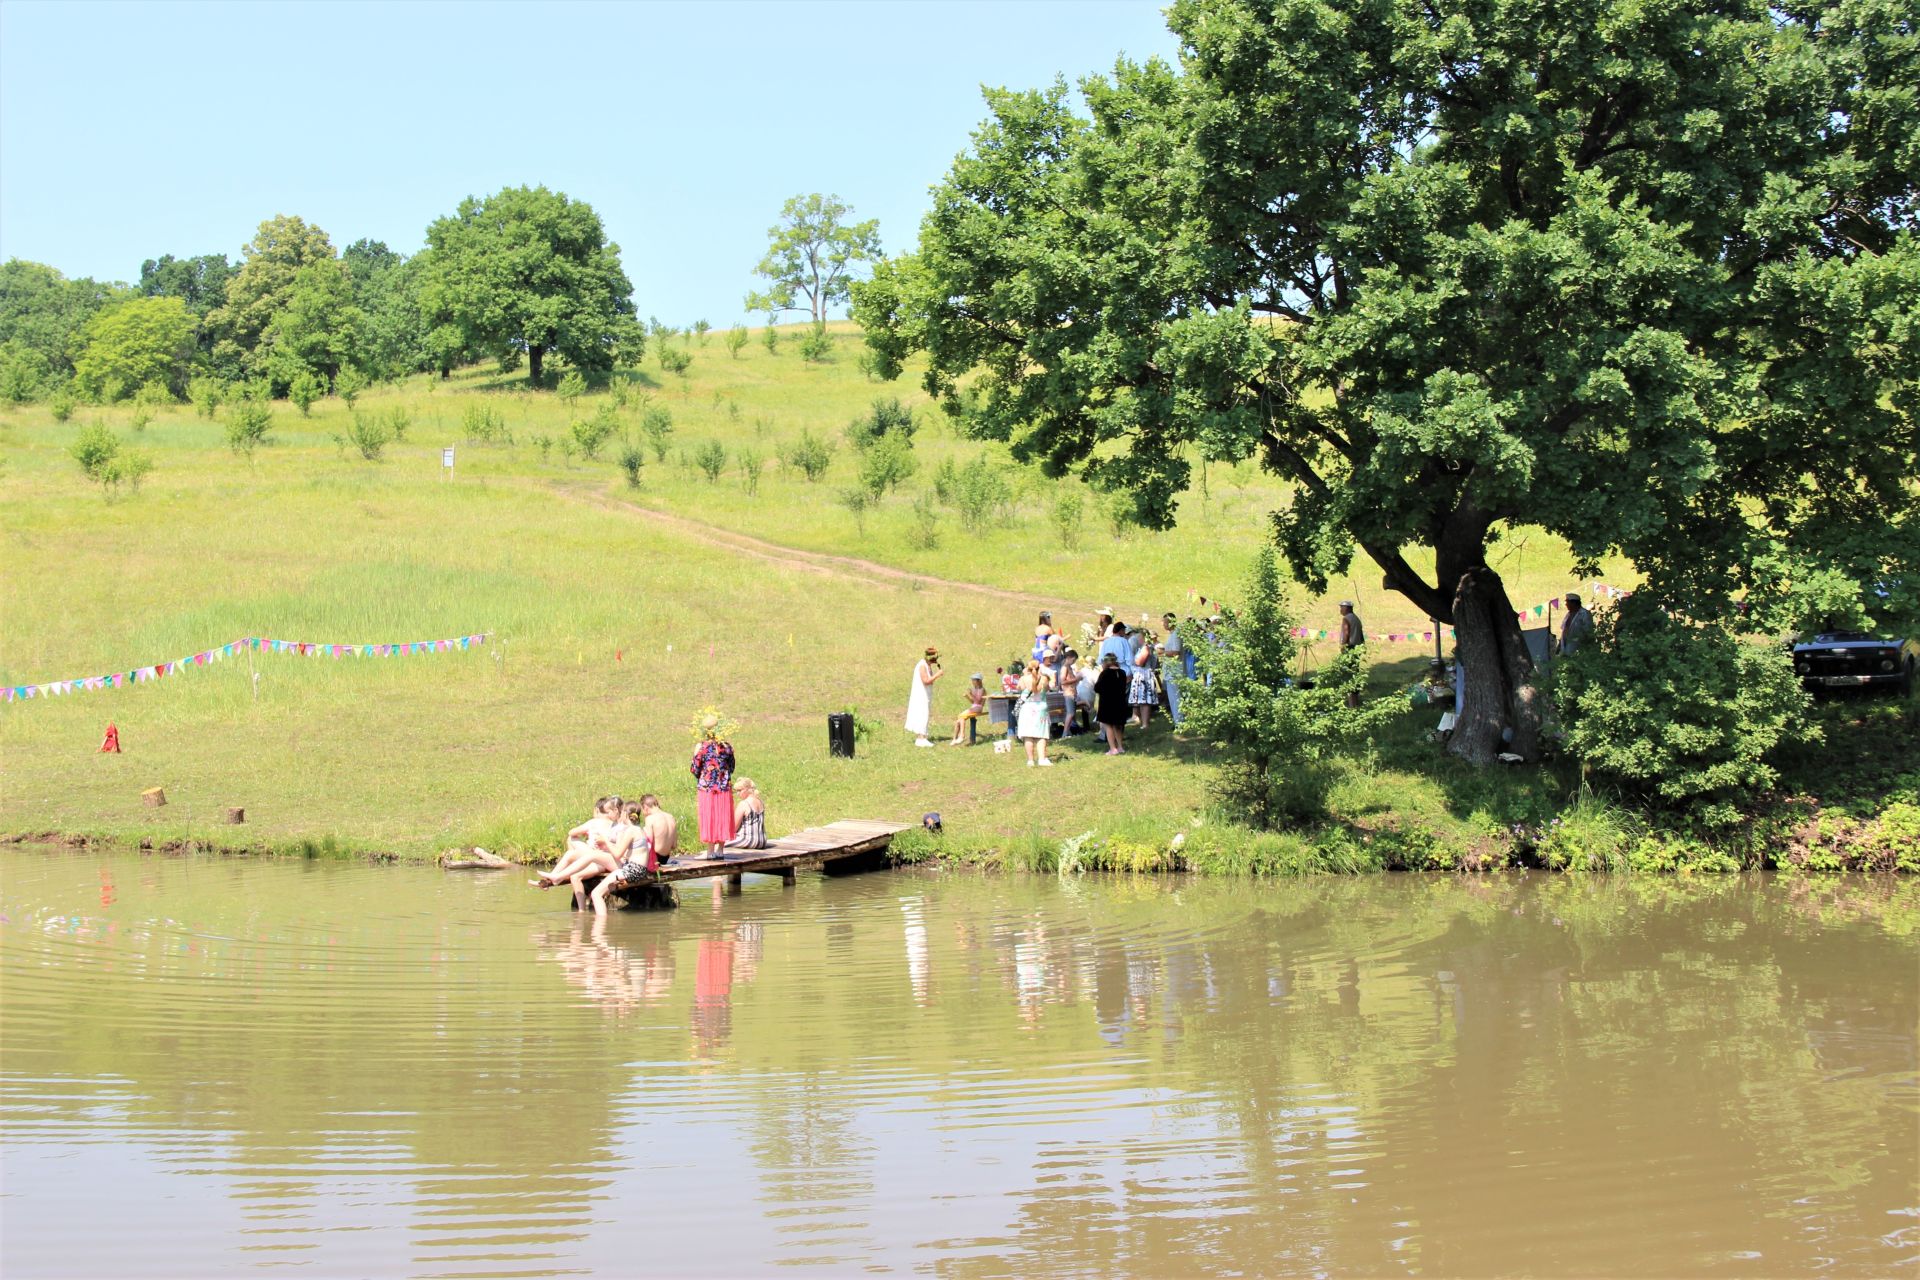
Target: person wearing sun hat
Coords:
[(920, 696)]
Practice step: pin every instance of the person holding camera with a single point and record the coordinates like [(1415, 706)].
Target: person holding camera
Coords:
[(920, 697)]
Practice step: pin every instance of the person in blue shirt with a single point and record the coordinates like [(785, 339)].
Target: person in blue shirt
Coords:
[(1118, 645)]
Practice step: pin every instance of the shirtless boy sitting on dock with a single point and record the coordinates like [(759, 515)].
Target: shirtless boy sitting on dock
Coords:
[(662, 828)]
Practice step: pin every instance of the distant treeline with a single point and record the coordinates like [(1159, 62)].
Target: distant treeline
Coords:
[(518, 276)]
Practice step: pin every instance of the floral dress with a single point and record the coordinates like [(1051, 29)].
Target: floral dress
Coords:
[(712, 770)]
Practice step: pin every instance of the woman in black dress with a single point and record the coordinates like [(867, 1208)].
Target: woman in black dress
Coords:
[(1110, 703)]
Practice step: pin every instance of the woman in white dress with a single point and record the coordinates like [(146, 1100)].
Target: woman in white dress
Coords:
[(1031, 718), (920, 697)]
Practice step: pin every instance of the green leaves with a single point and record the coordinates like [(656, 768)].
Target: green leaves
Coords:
[(812, 252)]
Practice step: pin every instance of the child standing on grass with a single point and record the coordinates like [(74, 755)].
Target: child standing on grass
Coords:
[(976, 707)]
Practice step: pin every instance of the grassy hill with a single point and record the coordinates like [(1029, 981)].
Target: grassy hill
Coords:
[(615, 613)]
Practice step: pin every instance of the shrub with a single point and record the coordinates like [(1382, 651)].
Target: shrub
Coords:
[(856, 501), (573, 385), (130, 468), (656, 424), (926, 523), (248, 423), (154, 394), (304, 390), (141, 420), (1683, 714), (632, 459), (736, 340), (881, 417), (1065, 515), (700, 330), (206, 394), (675, 359), (1281, 742), (370, 434), (94, 449), (23, 371), (810, 455), (980, 490), (485, 425), (349, 384), (590, 434), (544, 443), (770, 338), (817, 346), (398, 422), (887, 464), (750, 466), (711, 458), (946, 480), (61, 405)]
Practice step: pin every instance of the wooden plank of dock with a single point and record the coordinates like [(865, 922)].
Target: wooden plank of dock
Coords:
[(808, 850)]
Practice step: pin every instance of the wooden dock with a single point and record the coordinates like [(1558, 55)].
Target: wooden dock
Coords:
[(848, 845)]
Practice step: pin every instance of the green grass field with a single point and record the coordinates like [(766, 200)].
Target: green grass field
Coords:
[(616, 613)]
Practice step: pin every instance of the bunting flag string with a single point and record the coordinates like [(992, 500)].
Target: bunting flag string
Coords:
[(1595, 590), (220, 653)]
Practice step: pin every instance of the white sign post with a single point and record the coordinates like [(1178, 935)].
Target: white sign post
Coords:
[(446, 460)]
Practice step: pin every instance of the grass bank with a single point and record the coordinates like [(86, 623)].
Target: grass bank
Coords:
[(616, 612)]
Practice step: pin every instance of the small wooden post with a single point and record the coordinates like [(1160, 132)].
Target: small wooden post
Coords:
[(733, 885), (236, 814), (787, 876), (153, 797)]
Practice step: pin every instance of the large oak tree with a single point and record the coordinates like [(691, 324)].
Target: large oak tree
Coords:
[(1643, 273), (528, 269)]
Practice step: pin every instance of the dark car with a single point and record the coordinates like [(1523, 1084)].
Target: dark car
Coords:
[(1849, 659)]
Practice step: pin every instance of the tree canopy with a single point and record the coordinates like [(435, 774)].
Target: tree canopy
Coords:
[(528, 269), (43, 312), (1643, 275), (811, 253), (260, 288), (133, 343)]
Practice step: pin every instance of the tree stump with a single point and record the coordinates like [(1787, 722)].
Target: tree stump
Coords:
[(153, 797), (236, 814)]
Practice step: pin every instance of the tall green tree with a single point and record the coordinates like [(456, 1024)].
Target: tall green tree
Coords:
[(317, 329), (44, 312), (1644, 275), (812, 252), (200, 282), (133, 343), (529, 269), (280, 247)]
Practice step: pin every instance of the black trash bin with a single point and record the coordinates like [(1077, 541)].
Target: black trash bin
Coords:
[(840, 734)]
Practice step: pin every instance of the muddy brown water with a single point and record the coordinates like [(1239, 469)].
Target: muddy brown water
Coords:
[(223, 1067)]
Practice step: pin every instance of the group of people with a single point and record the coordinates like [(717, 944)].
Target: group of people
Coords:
[(623, 843), (1118, 682)]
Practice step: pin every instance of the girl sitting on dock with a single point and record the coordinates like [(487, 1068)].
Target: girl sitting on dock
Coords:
[(590, 846)]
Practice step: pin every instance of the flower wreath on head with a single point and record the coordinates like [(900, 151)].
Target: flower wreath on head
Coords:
[(723, 728)]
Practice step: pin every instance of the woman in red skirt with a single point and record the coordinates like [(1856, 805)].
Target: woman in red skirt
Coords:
[(712, 770)]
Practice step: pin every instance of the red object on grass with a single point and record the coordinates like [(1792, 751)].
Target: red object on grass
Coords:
[(112, 740)]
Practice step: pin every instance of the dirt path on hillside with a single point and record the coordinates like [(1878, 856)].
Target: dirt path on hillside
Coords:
[(822, 562)]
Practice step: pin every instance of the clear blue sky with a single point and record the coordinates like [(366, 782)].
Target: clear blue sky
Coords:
[(132, 130)]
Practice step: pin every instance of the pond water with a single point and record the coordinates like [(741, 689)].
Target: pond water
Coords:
[(215, 1066)]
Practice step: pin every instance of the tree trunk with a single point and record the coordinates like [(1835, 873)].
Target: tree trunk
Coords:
[(1502, 708), (535, 353)]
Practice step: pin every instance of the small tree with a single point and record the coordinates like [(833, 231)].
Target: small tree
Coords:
[(812, 253), (304, 390), (632, 459), (856, 501), (130, 468), (141, 420), (589, 434), (484, 425), (573, 385), (770, 337), (925, 533), (736, 340), (1281, 741), (817, 346), (981, 489), (887, 464), (349, 384), (95, 449), (61, 405), (675, 360), (711, 458), (154, 394), (370, 434), (656, 424), (810, 455), (399, 422), (206, 394), (248, 423), (700, 330), (750, 465), (882, 416), (1066, 518)]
